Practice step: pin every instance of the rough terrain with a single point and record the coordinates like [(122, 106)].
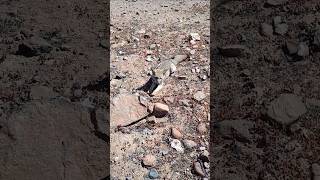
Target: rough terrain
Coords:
[(53, 94), (143, 34), (265, 90)]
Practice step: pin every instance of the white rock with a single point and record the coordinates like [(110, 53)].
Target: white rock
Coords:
[(195, 36), (177, 145), (199, 96)]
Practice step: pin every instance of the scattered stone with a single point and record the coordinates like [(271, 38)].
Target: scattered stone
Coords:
[(199, 96), (281, 29), (177, 145), (233, 50), (316, 171), (195, 36), (286, 109), (153, 174), (266, 29), (34, 47), (126, 109), (303, 49), (149, 160), (198, 169), (192, 52), (160, 110), (189, 144), (176, 133), (201, 128)]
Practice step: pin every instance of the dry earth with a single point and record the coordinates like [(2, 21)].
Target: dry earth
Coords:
[(53, 121), (161, 29)]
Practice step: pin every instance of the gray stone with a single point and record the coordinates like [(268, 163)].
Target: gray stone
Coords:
[(189, 144), (286, 109), (153, 173), (303, 49), (34, 47), (266, 29), (292, 47), (281, 29), (199, 96)]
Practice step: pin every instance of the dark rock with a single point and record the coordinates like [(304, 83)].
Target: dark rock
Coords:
[(34, 47), (233, 50), (286, 109)]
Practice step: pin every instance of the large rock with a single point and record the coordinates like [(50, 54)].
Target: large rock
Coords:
[(286, 109), (126, 109)]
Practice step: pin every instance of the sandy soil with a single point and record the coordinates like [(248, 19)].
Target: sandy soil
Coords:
[(136, 25)]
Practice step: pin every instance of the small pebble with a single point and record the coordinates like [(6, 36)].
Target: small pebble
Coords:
[(177, 145), (195, 36), (201, 128), (198, 169), (152, 46), (153, 173), (199, 96), (266, 29), (281, 29), (160, 110), (149, 160), (176, 133), (189, 144), (303, 49)]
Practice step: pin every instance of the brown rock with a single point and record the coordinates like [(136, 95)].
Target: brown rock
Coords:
[(149, 160), (126, 109), (201, 128), (198, 169), (160, 110), (176, 133)]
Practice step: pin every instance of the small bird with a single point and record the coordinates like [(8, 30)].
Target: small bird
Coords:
[(160, 73)]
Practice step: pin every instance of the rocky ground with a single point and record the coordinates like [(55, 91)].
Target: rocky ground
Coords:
[(172, 142), (265, 90), (53, 94)]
